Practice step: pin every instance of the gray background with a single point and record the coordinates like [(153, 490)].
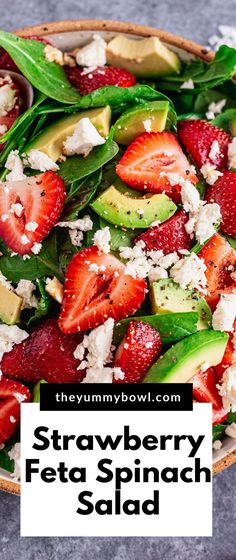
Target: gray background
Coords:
[(196, 19)]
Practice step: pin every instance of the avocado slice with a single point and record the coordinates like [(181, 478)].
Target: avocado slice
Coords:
[(10, 306), (232, 127), (168, 297), (150, 117), (120, 209), (50, 141), (186, 358), (145, 58)]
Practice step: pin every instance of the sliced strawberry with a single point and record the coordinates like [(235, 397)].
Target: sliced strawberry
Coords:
[(204, 390), (46, 354), (169, 236), (12, 393), (229, 358), (220, 259), (137, 351), (6, 62), (86, 81), (224, 193), (91, 297), (8, 119), (197, 136), (42, 198), (148, 160)]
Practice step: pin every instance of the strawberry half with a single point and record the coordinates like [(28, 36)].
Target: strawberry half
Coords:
[(169, 236), (102, 76), (148, 160), (46, 354), (204, 390), (229, 358), (6, 62), (8, 119), (42, 198), (137, 351), (219, 258), (91, 297), (197, 136), (223, 192), (12, 393)]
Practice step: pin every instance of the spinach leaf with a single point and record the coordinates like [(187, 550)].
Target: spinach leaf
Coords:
[(119, 98), (36, 391), (119, 237), (78, 167), (80, 194), (47, 77), (231, 240), (171, 326), (205, 76), (5, 462), (218, 431), (44, 303), (223, 120), (45, 263)]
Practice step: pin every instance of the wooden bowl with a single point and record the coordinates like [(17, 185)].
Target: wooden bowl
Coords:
[(69, 34)]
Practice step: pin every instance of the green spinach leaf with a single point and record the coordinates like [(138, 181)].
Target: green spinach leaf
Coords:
[(80, 194), (44, 303), (171, 326)]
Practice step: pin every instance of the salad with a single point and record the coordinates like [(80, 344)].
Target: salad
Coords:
[(117, 222)]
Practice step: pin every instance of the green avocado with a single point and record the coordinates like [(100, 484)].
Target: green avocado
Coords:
[(145, 58), (232, 127), (124, 210), (10, 306), (181, 362), (168, 297), (150, 117), (50, 141)]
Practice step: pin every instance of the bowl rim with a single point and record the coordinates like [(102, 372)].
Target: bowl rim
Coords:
[(72, 25)]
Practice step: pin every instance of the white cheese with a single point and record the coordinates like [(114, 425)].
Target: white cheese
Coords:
[(24, 239), (227, 389), (35, 249), (190, 197), (83, 224), (5, 282), (17, 209), (3, 129), (10, 335), (231, 430), (14, 455), (217, 444), (93, 54), (102, 239), (25, 289), (215, 108), (147, 125), (187, 85), (7, 99), (15, 166), (225, 314), (83, 140), (208, 216), (39, 161), (31, 226), (151, 264), (76, 237), (52, 54), (210, 173), (232, 154), (214, 150), (54, 288), (94, 267), (189, 272)]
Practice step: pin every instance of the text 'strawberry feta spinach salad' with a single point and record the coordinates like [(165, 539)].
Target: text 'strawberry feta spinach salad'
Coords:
[(117, 223)]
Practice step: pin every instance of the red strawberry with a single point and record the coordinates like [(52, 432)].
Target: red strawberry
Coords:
[(42, 198), (137, 351), (6, 62), (197, 136), (8, 119), (219, 258), (224, 193), (204, 390), (12, 393), (100, 77), (91, 297), (46, 354), (229, 358), (169, 236), (149, 158)]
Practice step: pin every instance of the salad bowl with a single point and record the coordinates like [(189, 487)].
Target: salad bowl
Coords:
[(70, 35)]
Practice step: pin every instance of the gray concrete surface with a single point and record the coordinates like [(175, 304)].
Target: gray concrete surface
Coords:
[(196, 19)]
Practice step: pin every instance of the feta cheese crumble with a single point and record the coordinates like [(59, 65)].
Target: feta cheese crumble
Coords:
[(232, 154), (31, 226), (215, 108), (189, 272), (10, 335), (3, 129), (208, 216), (151, 264), (231, 430), (101, 239), (210, 173), (188, 84), (54, 288), (97, 346), (52, 54), (217, 444), (17, 209), (14, 455), (25, 289), (225, 314), (147, 125), (39, 161), (93, 54), (15, 166), (35, 249), (7, 99), (83, 140), (215, 150), (227, 389), (76, 229)]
